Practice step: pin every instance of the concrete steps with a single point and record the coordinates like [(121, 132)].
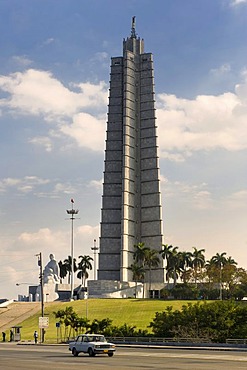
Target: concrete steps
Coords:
[(16, 312)]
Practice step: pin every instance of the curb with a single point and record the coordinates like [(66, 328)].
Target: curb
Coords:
[(151, 346)]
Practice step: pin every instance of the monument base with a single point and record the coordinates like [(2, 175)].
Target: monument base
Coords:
[(114, 289)]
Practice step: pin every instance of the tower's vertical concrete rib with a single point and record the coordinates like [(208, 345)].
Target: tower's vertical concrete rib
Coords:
[(131, 203)]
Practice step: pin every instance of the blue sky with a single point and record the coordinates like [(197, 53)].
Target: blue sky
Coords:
[(54, 80)]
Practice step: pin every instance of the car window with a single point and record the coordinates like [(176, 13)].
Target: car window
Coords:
[(94, 338)]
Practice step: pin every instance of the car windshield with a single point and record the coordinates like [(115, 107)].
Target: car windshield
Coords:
[(96, 338)]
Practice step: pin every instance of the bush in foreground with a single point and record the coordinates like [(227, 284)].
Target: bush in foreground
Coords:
[(216, 321)]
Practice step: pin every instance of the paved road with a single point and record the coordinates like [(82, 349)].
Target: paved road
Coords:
[(33, 357)]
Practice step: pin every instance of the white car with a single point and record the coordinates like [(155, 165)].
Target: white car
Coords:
[(91, 344)]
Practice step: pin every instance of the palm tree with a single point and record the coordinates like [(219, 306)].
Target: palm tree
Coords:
[(219, 261), (185, 262), (151, 260), (68, 263), (210, 271), (173, 273), (60, 316), (186, 259), (229, 274), (198, 261), (84, 265), (138, 274), (65, 317), (173, 266), (62, 270), (185, 275), (83, 323), (140, 253), (175, 261), (230, 261), (166, 251)]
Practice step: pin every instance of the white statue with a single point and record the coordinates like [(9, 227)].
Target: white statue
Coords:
[(50, 281), (51, 271)]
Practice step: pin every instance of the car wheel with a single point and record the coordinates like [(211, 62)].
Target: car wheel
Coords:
[(110, 354), (91, 352), (74, 352)]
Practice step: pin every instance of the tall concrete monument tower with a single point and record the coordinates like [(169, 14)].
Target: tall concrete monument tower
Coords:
[(131, 202)]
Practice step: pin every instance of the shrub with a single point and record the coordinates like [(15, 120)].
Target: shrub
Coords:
[(216, 321)]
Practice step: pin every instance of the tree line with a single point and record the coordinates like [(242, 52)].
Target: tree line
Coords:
[(188, 274), (218, 277)]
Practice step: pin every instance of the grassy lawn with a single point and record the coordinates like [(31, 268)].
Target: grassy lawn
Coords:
[(134, 312)]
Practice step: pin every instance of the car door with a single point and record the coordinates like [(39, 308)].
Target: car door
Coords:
[(78, 345), (85, 343)]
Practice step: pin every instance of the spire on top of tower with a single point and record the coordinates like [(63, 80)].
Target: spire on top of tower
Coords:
[(133, 27)]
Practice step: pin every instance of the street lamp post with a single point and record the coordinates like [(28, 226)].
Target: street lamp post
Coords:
[(72, 212), (39, 255), (94, 249)]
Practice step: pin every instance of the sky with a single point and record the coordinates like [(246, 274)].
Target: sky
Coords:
[(54, 80)]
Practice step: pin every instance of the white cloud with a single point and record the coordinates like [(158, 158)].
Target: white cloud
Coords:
[(10, 181), (94, 95), (38, 186), (42, 141), (101, 57), (244, 72), (49, 41), (56, 191), (13, 274), (44, 234), (238, 2), (221, 71), (88, 230), (176, 157), (46, 240), (39, 93), (22, 266), (195, 196), (24, 185), (238, 199), (58, 242), (96, 184), (205, 123), (87, 131), (78, 115), (203, 200), (19, 260), (64, 189), (22, 60)]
